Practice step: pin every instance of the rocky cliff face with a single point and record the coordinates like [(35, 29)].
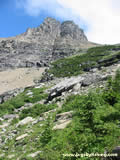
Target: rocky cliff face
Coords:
[(41, 45)]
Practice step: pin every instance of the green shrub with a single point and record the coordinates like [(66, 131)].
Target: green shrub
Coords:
[(94, 127), (14, 121), (36, 110), (6, 108), (19, 101), (47, 133), (38, 94), (76, 65)]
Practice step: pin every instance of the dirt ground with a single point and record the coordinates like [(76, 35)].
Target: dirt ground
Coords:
[(17, 78)]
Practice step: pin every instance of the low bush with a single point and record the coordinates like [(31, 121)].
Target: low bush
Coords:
[(19, 101), (76, 65), (37, 110)]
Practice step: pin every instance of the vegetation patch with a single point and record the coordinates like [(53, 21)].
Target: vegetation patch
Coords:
[(37, 110), (95, 57), (37, 95), (18, 101)]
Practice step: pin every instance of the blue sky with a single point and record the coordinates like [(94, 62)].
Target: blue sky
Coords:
[(98, 18), (16, 20)]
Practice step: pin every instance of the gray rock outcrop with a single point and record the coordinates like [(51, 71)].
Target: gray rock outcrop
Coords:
[(10, 94), (39, 46), (74, 84)]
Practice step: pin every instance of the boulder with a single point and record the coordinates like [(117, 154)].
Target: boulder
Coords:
[(76, 88), (29, 93), (25, 121), (10, 116), (4, 125), (38, 120), (74, 83), (34, 154), (92, 78), (62, 120), (65, 85), (2, 155), (61, 125), (64, 116), (21, 137), (45, 114), (11, 156), (1, 119)]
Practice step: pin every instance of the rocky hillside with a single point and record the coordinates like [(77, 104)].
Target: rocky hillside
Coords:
[(39, 46), (73, 109), (72, 112)]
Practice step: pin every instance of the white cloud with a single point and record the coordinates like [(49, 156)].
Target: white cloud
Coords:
[(100, 16), (36, 7)]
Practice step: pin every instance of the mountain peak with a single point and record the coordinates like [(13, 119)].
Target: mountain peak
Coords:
[(43, 44), (73, 30), (53, 28), (49, 19)]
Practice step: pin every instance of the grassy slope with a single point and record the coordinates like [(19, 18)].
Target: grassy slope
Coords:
[(95, 57)]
